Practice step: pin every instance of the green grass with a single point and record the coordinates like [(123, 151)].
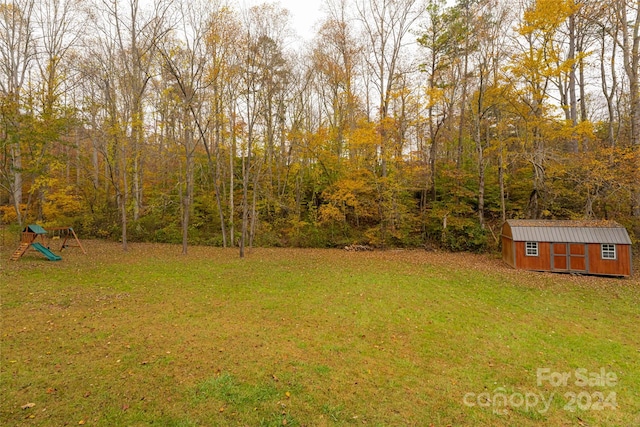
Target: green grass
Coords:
[(306, 338)]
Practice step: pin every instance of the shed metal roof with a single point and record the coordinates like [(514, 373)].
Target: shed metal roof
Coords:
[(569, 231)]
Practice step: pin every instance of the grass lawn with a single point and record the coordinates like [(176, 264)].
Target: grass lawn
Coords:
[(311, 338)]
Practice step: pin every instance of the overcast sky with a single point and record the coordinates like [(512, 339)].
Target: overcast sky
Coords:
[(304, 13)]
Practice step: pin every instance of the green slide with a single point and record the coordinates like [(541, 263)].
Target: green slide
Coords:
[(46, 252)]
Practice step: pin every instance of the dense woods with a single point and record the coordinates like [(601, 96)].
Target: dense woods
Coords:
[(400, 123)]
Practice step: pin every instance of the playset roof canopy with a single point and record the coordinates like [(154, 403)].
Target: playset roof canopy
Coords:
[(35, 228)]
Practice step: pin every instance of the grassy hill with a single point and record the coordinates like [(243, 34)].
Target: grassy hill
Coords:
[(312, 338)]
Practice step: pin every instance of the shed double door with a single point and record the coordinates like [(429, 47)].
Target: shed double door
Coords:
[(569, 257)]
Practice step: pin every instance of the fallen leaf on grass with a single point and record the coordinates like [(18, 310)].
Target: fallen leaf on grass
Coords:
[(81, 422), (28, 405)]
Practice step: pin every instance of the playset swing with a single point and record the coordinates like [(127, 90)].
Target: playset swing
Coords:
[(66, 234)]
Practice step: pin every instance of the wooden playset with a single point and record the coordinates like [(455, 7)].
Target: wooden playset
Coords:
[(36, 237)]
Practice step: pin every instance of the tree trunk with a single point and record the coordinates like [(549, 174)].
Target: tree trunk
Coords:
[(254, 214), (432, 154), (188, 196), (232, 156), (123, 210), (216, 190), (582, 83), (246, 167), (503, 205), (573, 104), (137, 187), (609, 92), (136, 147), (481, 174), (630, 28), (16, 184), (463, 100)]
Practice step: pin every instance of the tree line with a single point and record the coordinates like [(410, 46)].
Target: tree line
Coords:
[(400, 123)]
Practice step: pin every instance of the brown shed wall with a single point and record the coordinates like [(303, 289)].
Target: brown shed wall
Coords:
[(506, 230), (507, 251), (620, 266), (541, 263)]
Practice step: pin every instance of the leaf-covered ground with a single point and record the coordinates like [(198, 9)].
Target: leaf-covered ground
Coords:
[(311, 337)]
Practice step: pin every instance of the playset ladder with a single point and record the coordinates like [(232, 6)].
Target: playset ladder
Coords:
[(20, 251)]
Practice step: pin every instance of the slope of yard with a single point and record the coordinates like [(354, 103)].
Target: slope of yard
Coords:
[(311, 337)]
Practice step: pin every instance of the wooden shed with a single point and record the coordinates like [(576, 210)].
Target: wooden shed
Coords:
[(586, 247)]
